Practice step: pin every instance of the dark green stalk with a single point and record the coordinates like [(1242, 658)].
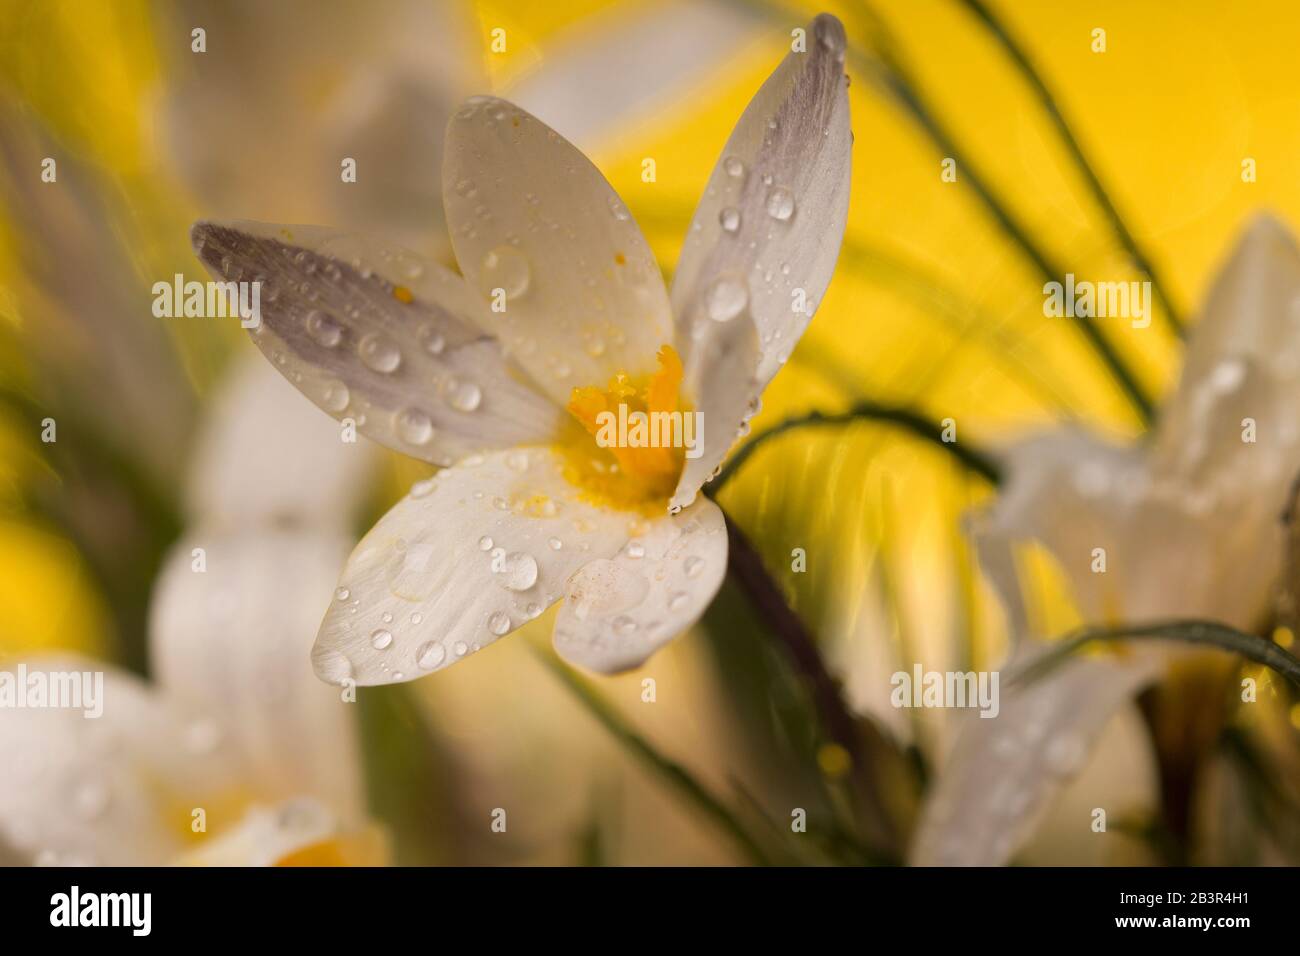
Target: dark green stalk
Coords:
[(979, 462), (670, 771)]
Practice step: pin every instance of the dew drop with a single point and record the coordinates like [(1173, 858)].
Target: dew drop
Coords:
[(381, 639), (517, 572), (678, 601), (434, 341), (414, 427), (499, 623), (780, 203), (506, 268), (734, 167), (555, 544), (624, 624), (485, 543), (463, 396), (336, 397), (729, 219), (693, 566), (725, 298), (635, 549), (379, 353), (323, 330), (342, 594), (430, 654)]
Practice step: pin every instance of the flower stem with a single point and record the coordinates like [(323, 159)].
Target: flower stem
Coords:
[(745, 565)]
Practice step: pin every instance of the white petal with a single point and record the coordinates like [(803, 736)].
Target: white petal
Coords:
[(1218, 555), (619, 611), (1003, 771), (265, 454), (109, 790), (1242, 363), (420, 376), (467, 557), (768, 230), (720, 377), (530, 215), (609, 71), (272, 835), (291, 82), (235, 640)]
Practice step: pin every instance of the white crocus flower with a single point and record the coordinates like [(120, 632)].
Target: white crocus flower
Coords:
[(233, 732), (529, 509), (1190, 524), (232, 725)]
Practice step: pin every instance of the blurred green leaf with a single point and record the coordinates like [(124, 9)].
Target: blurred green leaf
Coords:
[(1203, 633), (680, 779)]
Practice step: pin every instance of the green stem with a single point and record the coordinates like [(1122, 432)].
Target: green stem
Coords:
[(979, 462), (670, 771)]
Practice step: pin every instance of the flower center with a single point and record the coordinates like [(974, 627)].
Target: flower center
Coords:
[(637, 423)]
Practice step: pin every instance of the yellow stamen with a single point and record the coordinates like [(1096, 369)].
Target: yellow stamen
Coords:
[(641, 477)]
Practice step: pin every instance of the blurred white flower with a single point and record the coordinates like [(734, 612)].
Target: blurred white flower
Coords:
[(1191, 526), (529, 509), (234, 724)]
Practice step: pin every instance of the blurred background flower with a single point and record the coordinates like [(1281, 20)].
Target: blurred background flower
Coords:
[(1139, 157)]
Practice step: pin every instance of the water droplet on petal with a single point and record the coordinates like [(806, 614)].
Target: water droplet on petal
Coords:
[(780, 203), (485, 543), (414, 427), (635, 549), (516, 571), (461, 648), (434, 341), (725, 298), (336, 397), (729, 219), (693, 566), (506, 268), (381, 639), (624, 624), (678, 601), (734, 167), (380, 354), (430, 654), (342, 594), (463, 396), (323, 330)]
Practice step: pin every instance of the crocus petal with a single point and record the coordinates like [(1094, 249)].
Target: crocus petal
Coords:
[(581, 294), (1099, 509), (116, 789), (609, 71), (1242, 366), (301, 831), (768, 230), (377, 335), (467, 557), (764, 240), (618, 611), (1003, 771), (266, 455), (721, 379), (233, 637)]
